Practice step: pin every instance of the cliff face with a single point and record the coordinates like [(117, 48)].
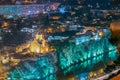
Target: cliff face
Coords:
[(115, 29)]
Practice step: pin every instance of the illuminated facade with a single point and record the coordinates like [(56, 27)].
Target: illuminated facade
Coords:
[(71, 57), (38, 69), (41, 47), (34, 47), (38, 45), (94, 50)]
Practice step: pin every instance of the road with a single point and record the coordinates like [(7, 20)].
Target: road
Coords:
[(107, 75)]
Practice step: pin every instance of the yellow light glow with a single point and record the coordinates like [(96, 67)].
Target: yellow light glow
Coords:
[(4, 24), (101, 70), (34, 47), (101, 34)]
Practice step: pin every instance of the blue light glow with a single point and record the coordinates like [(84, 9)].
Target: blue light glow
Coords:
[(62, 9)]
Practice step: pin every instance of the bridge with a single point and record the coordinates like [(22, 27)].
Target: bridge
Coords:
[(27, 9), (21, 9)]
